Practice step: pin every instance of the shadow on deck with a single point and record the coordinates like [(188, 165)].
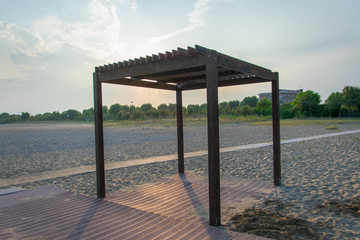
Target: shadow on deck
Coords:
[(176, 207)]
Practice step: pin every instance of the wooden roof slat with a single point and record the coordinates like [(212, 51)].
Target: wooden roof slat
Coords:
[(142, 60), (168, 54), (182, 52), (149, 59), (162, 56), (155, 57), (191, 51), (151, 67)]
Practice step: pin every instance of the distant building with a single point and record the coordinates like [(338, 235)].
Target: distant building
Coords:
[(285, 95)]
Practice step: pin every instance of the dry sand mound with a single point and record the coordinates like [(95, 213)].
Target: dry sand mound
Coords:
[(270, 224)]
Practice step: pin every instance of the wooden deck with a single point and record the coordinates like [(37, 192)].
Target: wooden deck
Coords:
[(174, 208)]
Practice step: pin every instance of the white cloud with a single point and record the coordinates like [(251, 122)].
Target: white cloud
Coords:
[(100, 36), (133, 5), (22, 40), (195, 18)]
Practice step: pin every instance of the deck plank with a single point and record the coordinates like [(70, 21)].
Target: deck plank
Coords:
[(174, 208)]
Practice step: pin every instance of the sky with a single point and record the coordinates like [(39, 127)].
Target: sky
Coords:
[(49, 49)]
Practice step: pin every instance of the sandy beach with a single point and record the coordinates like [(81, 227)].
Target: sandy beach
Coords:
[(314, 172)]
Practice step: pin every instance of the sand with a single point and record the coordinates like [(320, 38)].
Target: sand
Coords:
[(314, 173)]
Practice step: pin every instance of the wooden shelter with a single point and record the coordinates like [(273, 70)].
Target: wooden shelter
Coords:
[(182, 70)]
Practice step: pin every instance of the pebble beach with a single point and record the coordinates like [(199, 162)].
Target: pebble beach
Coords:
[(314, 172)]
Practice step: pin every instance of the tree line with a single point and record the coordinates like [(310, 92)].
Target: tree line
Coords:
[(306, 104)]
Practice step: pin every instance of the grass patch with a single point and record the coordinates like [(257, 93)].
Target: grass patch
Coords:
[(332, 127), (330, 123), (172, 122), (310, 122)]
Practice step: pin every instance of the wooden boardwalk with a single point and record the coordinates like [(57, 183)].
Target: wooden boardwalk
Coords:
[(174, 208)]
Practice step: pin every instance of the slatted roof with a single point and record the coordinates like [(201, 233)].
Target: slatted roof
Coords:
[(181, 68)]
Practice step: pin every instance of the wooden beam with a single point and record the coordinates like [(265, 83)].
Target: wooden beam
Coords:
[(235, 64), (244, 67), (180, 130), (99, 138), (139, 83), (213, 137), (276, 130), (225, 83)]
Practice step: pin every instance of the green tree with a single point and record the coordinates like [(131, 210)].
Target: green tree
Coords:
[(114, 110), (352, 98), (203, 109), (286, 111), (193, 110), (154, 113), (264, 107), (172, 108), (245, 110), (132, 109), (234, 104), (227, 109), (25, 116), (88, 114), (56, 116), (146, 108), (123, 115), (105, 110), (164, 112), (138, 114), (71, 114), (162, 106), (334, 102), (307, 102), (250, 101)]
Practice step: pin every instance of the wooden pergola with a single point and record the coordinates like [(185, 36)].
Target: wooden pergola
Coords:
[(182, 70)]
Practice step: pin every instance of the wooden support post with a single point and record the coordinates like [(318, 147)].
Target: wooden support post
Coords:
[(180, 129), (276, 130), (99, 138), (213, 138)]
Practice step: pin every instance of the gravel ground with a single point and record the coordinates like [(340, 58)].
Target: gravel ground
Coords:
[(312, 171), (30, 149)]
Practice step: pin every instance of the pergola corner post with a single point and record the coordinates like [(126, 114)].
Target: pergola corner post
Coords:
[(211, 61), (99, 138), (180, 129), (276, 129)]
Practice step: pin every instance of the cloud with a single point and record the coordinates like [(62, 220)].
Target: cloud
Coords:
[(133, 5), (99, 36), (22, 40), (195, 18)]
